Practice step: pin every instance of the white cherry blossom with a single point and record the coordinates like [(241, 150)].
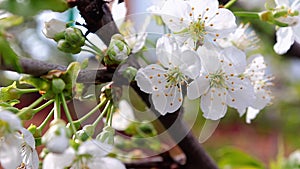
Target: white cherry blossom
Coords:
[(243, 38), (90, 154), (197, 22), (164, 81), (17, 145), (286, 36), (219, 84), (256, 72)]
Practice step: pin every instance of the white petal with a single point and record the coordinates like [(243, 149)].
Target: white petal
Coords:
[(256, 68), (251, 114), (94, 148), (240, 93), (166, 48), (28, 138), (285, 39), (174, 99), (172, 15), (296, 30), (191, 63), (10, 157), (209, 59), (13, 121), (53, 27), (234, 60), (160, 102), (139, 42), (201, 6), (262, 98), (197, 87), (123, 118), (118, 12), (213, 104), (151, 78), (282, 2), (59, 161), (106, 163), (222, 24)]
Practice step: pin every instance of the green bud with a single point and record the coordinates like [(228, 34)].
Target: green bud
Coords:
[(130, 72), (107, 135), (146, 129), (74, 36), (118, 50), (86, 132), (9, 93), (58, 85), (35, 131), (65, 46)]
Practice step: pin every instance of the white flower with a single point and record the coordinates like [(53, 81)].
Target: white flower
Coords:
[(219, 84), (198, 22), (53, 27), (56, 139), (286, 36), (118, 12), (123, 117), (164, 82), (156, 6), (256, 72), (91, 154), (243, 38)]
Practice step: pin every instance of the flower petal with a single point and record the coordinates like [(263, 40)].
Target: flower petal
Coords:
[(222, 24), (200, 7), (12, 119), (172, 15), (191, 63), (234, 60), (209, 59), (213, 104), (166, 49), (197, 87), (285, 39), (10, 157), (59, 161), (94, 148), (160, 102), (106, 163), (240, 93), (151, 78), (251, 114), (174, 98)]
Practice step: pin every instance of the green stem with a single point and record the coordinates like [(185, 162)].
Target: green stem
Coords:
[(111, 115), (25, 91), (57, 112), (67, 112), (47, 119), (253, 15), (102, 114), (94, 47), (91, 112), (230, 3), (108, 115), (44, 105), (90, 51), (34, 104)]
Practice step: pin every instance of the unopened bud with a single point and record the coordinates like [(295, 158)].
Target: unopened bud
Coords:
[(107, 135)]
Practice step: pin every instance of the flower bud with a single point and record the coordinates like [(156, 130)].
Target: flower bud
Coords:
[(56, 138), (53, 27), (118, 50), (86, 132), (65, 46), (74, 36), (58, 85), (107, 135)]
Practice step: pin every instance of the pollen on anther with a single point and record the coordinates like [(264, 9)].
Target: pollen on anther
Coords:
[(230, 64), (191, 14), (193, 8), (171, 104), (166, 94), (206, 17), (159, 82), (180, 100), (151, 77), (217, 35), (215, 40), (231, 74), (233, 100), (217, 13), (211, 24), (158, 75), (181, 19), (207, 9)]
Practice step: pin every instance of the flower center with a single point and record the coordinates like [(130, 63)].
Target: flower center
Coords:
[(217, 80), (197, 31), (174, 77)]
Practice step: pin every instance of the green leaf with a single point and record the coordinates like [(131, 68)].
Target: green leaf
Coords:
[(8, 54), (232, 158), (32, 7), (10, 21), (70, 77)]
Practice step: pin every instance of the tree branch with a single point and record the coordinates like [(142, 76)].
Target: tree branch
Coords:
[(39, 68)]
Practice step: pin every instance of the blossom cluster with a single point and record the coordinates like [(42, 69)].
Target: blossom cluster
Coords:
[(206, 53)]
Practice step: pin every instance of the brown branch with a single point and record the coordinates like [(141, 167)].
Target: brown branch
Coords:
[(39, 68)]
